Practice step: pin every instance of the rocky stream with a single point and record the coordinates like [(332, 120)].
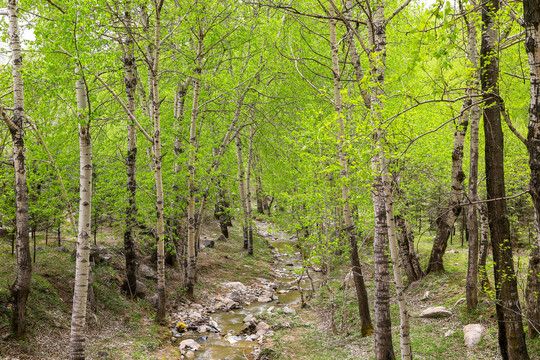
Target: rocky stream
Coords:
[(230, 326)]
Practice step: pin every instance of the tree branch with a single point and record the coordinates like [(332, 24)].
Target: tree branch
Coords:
[(10, 124)]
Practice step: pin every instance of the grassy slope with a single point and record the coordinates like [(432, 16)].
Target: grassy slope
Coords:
[(312, 337)]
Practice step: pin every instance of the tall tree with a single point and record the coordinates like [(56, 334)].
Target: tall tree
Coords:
[(350, 230), (531, 9), (511, 335), (21, 287)]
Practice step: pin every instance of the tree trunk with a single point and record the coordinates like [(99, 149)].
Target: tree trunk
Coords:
[(361, 293), (259, 194), (472, 218), (130, 81), (191, 246), (511, 335), (405, 339), (531, 9), (248, 188), (162, 297), (242, 191), (407, 254), (484, 248), (83, 269), (21, 287), (446, 220)]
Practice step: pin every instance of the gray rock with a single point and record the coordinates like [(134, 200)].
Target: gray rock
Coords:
[(264, 299), (426, 296), (235, 295), (99, 254), (147, 272), (250, 319), (288, 310), (204, 328), (208, 243), (235, 285), (189, 344), (472, 334), (262, 326), (230, 304), (62, 249), (141, 290), (221, 238), (152, 300), (435, 312)]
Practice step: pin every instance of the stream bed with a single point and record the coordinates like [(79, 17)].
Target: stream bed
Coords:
[(229, 328)]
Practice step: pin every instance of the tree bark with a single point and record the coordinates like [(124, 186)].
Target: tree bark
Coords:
[(21, 287), (248, 188), (191, 245), (484, 248), (130, 81), (361, 293), (162, 297), (511, 335), (83, 269), (407, 254), (242, 191), (446, 220), (472, 218), (531, 9)]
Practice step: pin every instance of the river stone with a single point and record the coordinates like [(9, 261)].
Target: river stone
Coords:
[(219, 306), (230, 304), (288, 310), (235, 295), (189, 344), (190, 355), (262, 326), (204, 328), (250, 319), (264, 299), (472, 334), (235, 285), (435, 312)]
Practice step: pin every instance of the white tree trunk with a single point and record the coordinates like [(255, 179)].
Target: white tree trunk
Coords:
[(82, 267)]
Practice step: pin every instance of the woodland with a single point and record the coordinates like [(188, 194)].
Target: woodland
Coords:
[(154, 151)]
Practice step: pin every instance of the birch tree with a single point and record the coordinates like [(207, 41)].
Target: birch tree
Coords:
[(21, 288)]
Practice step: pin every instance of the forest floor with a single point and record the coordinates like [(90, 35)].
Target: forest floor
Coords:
[(122, 329)]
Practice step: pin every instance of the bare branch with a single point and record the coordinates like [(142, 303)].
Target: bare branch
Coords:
[(397, 11), (10, 124), (508, 121), (56, 6)]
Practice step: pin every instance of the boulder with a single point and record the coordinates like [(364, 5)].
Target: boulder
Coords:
[(262, 326), (141, 290), (221, 238), (235, 295), (435, 312), (99, 254), (147, 272), (189, 344), (152, 300), (472, 334), (208, 243)]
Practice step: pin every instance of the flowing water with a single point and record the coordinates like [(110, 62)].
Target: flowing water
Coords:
[(287, 266)]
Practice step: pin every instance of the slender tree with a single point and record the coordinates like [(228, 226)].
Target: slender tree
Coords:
[(21, 288)]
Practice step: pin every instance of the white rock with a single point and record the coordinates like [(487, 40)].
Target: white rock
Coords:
[(436, 312), (147, 272), (189, 344), (288, 310), (262, 326), (426, 296), (263, 299), (190, 355), (236, 285), (472, 334)]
